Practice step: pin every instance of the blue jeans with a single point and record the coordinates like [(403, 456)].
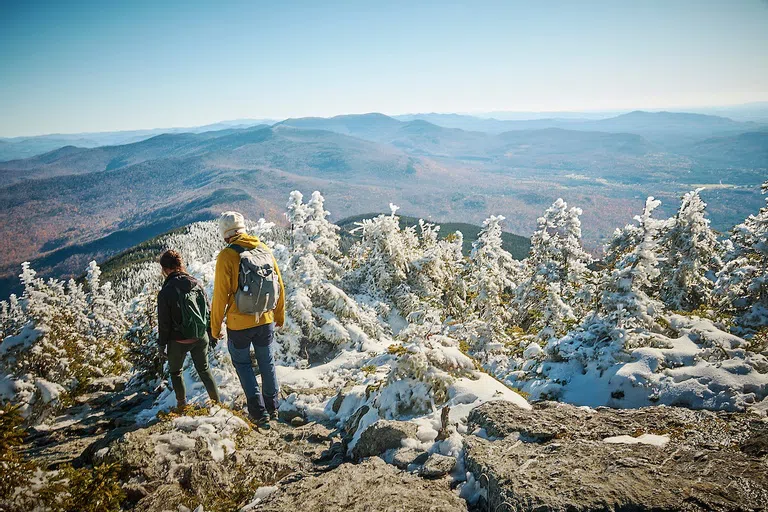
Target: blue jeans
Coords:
[(239, 344)]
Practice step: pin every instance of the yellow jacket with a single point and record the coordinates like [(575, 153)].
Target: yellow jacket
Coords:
[(225, 286)]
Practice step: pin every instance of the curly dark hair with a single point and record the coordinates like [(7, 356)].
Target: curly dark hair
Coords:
[(171, 260)]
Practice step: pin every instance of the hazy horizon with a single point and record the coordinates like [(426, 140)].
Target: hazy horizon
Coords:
[(86, 67), (513, 114)]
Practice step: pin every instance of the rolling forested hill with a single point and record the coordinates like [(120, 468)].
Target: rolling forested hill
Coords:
[(74, 204)]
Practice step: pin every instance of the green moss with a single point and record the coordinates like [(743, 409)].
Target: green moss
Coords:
[(372, 388), (663, 323), (397, 350), (95, 489), (187, 410), (759, 341), (16, 470), (520, 392)]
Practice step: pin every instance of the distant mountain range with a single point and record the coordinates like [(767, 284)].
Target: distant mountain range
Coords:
[(25, 147), (669, 129), (72, 204)]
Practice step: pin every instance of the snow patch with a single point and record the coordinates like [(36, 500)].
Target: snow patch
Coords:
[(649, 439)]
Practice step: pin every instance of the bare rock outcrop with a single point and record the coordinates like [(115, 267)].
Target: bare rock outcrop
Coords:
[(558, 457), (370, 485), (216, 462)]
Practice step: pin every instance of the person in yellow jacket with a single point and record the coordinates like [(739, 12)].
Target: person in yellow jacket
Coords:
[(244, 331)]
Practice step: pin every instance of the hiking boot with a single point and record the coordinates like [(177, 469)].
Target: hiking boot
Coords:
[(273, 415), (181, 409), (263, 422)]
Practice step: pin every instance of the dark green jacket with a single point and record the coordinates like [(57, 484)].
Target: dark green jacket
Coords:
[(168, 310)]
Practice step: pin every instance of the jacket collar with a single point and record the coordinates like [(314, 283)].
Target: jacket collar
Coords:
[(173, 275), (244, 240)]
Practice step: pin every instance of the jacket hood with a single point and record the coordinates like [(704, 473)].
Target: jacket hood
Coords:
[(245, 240), (181, 280)]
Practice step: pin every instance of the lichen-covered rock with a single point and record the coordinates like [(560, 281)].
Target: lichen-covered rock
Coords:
[(211, 460), (555, 458), (370, 485), (437, 465), (382, 436), (556, 421), (404, 457)]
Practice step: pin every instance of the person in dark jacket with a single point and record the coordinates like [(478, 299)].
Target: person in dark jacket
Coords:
[(172, 344)]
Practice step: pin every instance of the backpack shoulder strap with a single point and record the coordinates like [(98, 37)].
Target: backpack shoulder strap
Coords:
[(239, 249)]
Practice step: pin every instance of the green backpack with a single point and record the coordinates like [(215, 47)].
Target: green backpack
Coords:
[(194, 313)]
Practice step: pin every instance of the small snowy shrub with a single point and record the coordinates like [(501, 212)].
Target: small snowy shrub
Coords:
[(141, 338), (17, 472), (71, 334), (424, 366)]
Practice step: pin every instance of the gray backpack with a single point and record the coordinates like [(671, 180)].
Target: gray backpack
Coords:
[(258, 286)]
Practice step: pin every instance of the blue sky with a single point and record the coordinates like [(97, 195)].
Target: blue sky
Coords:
[(94, 66)]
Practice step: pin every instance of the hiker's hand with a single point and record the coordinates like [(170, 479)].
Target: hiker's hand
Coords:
[(212, 342), (163, 353)]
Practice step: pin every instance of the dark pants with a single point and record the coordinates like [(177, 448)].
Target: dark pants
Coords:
[(239, 345), (177, 352)]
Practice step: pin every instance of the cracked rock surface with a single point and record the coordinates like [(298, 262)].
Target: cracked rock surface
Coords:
[(370, 485), (554, 458)]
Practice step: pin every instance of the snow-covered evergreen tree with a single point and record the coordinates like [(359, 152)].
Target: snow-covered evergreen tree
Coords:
[(105, 315), (11, 317), (554, 293), (382, 258), (312, 232), (491, 275), (435, 276), (624, 301), (318, 309), (742, 285), (623, 241), (691, 256)]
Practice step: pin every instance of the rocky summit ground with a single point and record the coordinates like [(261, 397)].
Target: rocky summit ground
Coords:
[(555, 457)]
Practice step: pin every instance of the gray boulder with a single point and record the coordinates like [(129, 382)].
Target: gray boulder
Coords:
[(370, 485), (437, 466), (555, 458), (382, 436), (404, 457)]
